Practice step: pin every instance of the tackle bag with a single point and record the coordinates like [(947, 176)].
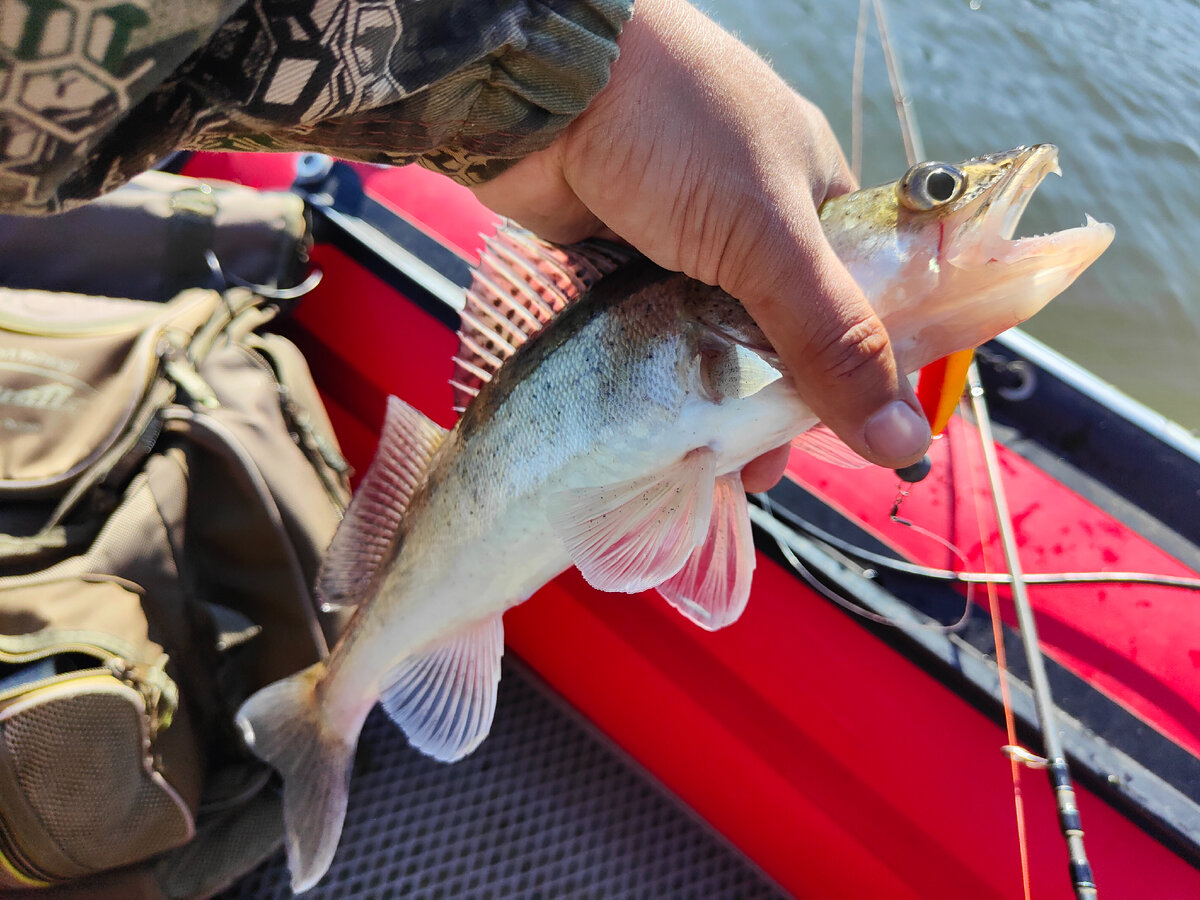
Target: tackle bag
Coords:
[(168, 483)]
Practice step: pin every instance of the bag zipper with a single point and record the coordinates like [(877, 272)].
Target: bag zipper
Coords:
[(179, 367), (321, 453), (159, 694)]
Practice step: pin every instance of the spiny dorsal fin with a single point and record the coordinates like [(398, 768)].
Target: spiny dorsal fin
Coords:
[(364, 538), (520, 284)]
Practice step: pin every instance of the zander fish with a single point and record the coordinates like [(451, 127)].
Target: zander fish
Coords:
[(609, 408)]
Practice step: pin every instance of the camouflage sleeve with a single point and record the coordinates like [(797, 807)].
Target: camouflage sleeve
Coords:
[(94, 91)]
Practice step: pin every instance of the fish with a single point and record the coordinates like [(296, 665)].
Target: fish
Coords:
[(607, 409)]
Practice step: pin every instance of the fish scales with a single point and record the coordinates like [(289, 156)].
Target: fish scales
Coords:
[(567, 393), (595, 385)]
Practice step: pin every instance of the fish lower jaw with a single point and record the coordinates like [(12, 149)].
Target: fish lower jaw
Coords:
[(1072, 248), (1078, 246), (990, 240)]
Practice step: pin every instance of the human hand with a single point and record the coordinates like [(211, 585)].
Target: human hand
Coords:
[(702, 158)]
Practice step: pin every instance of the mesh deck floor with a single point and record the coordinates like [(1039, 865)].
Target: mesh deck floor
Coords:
[(541, 810)]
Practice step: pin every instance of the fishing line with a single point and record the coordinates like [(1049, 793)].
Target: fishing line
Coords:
[(816, 584), (1010, 719), (903, 567), (914, 149), (1082, 879), (894, 515), (1080, 869)]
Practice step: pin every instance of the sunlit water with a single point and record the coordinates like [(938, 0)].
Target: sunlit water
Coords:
[(1116, 85)]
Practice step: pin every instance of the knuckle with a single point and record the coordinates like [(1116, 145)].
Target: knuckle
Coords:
[(854, 351), (818, 121)]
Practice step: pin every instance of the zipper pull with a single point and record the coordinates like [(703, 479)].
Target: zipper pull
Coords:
[(181, 370), (159, 692), (300, 419)]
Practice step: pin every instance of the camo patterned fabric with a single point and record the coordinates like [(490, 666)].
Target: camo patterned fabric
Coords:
[(94, 91)]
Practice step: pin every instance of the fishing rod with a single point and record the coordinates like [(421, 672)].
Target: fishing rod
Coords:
[(914, 148), (1082, 879), (1056, 766)]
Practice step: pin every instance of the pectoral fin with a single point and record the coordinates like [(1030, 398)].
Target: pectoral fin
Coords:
[(635, 535), (714, 584), (444, 698), (821, 442)]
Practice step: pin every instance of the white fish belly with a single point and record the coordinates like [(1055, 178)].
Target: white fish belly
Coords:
[(427, 600)]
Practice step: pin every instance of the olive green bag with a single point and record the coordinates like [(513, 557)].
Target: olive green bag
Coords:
[(168, 483)]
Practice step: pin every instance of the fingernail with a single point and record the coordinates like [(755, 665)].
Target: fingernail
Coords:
[(897, 432)]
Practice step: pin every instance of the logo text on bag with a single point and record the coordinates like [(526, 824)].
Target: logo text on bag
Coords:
[(51, 395), (30, 379)]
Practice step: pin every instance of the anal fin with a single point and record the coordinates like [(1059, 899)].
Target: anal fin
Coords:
[(714, 584), (444, 698)]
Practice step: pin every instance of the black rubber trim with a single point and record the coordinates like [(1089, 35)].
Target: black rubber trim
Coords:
[(174, 162), (1081, 440)]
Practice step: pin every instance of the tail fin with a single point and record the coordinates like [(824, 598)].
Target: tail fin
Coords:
[(284, 725)]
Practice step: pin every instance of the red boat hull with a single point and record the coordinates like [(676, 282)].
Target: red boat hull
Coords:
[(831, 760)]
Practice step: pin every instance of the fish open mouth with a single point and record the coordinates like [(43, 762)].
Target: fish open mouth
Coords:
[(1005, 205)]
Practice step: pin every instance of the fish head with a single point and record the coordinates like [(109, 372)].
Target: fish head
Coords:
[(935, 254)]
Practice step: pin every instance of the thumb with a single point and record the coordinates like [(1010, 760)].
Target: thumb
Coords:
[(837, 351)]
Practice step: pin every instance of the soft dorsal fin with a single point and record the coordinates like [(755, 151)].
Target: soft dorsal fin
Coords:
[(821, 442), (520, 283), (714, 584), (444, 698), (635, 535), (364, 538)]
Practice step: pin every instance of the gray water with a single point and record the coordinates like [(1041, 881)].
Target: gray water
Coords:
[(1116, 85)]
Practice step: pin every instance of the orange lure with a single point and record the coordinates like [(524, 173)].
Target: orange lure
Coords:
[(940, 385)]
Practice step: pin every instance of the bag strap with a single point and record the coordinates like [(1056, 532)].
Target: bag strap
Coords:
[(190, 230), (214, 437)]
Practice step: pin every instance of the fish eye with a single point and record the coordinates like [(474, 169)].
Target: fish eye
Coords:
[(929, 185)]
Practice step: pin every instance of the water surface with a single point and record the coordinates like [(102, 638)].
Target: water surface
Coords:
[(1116, 85)]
